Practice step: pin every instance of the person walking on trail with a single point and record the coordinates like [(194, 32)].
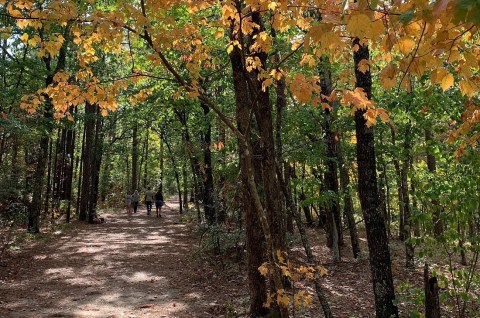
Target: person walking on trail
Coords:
[(135, 199), (159, 202), (149, 198), (128, 202)]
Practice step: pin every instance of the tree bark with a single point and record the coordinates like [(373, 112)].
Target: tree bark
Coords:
[(145, 168), (401, 214), (407, 235), (432, 168), (134, 157), (348, 205), (69, 177), (88, 160), (432, 301), (379, 254), (255, 238), (96, 165), (334, 222), (175, 170), (38, 182), (208, 185)]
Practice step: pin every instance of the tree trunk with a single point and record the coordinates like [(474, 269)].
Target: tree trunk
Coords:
[(175, 170), (432, 301), (432, 168), (302, 197), (222, 205), (401, 214), (88, 160), (35, 207), (79, 161), (255, 238), (270, 214), (145, 168), (334, 221), (379, 254), (69, 176), (49, 187), (134, 157), (348, 211), (42, 154), (208, 189), (96, 165), (409, 248), (185, 185)]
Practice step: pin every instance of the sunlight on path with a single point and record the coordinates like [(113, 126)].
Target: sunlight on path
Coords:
[(132, 266)]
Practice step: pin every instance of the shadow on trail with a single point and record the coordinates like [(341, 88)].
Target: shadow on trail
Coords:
[(132, 266)]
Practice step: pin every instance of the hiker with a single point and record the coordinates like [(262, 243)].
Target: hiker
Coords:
[(128, 202), (159, 202), (135, 199), (149, 198)]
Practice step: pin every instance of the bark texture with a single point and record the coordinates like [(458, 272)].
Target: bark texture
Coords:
[(379, 254)]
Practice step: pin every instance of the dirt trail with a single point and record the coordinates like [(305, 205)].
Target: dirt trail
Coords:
[(131, 266)]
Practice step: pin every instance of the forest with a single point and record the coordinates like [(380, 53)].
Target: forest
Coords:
[(313, 158)]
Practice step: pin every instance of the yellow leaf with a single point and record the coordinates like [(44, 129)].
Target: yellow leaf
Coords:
[(353, 139), (219, 34), (363, 66), (447, 81), (32, 42), (383, 114), (280, 256), (266, 83), (359, 25), (468, 88), (406, 45), (24, 38), (272, 5), (371, 117), (322, 271), (263, 269), (282, 298), (229, 49), (326, 106)]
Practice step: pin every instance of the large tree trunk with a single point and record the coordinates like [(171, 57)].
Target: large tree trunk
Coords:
[(255, 238), (88, 160), (42, 154), (270, 215), (334, 222), (264, 120), (208, 189), (69, 174), (379, 254), (96, 165)]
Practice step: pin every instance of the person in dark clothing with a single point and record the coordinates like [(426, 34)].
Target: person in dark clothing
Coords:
[(159, 202)]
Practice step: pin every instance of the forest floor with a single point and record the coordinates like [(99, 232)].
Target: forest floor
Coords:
[(141, 266)]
